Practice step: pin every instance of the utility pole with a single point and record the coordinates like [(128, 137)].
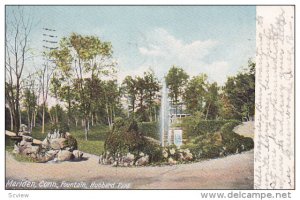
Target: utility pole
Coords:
[(49, 44)]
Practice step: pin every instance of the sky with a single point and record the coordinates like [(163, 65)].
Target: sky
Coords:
[(216, 40)]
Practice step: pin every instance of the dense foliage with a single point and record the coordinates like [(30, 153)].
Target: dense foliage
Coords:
[(126, 137), (220, 143)]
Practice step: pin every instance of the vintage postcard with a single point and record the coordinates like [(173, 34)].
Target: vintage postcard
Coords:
[(149, 97)]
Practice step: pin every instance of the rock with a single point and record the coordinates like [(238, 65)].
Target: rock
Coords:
[(172, 151), (142, 161), (23, 128), (189, 156), (58, 143), (64, 155), (53, 135), (9, 133), (16, 149), (45, 143), (165, 154), (24, 143), (171, 161), (115, 164), (54, 144), (110, 160), (35, 149), (128, 158), (35, 141), (77, 154), (27, 138), (141, 154), (29, 150), (49, 155), (181, 157)]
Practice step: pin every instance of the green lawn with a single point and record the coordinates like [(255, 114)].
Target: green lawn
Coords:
[(94, 145)]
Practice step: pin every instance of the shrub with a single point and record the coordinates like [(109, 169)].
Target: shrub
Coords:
[(218, 143), (234, 142), (193, 127), (207, 146), (126, 137), (149, 129)]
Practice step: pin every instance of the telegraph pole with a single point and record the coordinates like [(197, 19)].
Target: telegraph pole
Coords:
[(49, 44)]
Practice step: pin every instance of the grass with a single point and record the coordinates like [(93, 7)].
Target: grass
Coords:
[(94, 144)]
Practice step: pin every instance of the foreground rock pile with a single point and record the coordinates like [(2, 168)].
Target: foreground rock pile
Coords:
[(124, 161), (56, 146), (170, 156)]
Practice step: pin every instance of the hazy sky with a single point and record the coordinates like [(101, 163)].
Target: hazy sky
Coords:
[(217, 40)]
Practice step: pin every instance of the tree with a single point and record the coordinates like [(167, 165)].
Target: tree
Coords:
[(151, 91), (82, 57), (176, 80), (211, 107), (30, 100), (55, 86), (195, 94), (141, 92), (17, 52), (112, 100), (129, 87), (45, 75), (240, 92)]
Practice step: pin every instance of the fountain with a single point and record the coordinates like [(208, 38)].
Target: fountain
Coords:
[(164, 116)]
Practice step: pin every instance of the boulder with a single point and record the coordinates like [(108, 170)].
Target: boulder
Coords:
[(51, 153), (172, 151), (58, 143), (35, 141), (77, 154), (29, 150), (171, 161), (54, 144), (64, 155), (165, 154), (27, 138), (142, 161), (181, 157), (128, 158), (189, 156), (45, 143)]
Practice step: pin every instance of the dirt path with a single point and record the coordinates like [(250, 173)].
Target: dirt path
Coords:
[(232, 172)]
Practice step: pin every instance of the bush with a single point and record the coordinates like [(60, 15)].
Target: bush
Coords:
[(234, 142), (193, 127), (223, 142), (126, 137), (149, 129)]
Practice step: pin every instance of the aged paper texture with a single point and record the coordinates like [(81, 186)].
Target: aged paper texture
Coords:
[(274, 113)]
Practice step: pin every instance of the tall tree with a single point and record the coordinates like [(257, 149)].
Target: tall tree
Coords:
[(151, 91), (18, 28), (240, 92), (30, 99), (176, 80), (195, 93), (211, 108), (129, 86), (84, 57)]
